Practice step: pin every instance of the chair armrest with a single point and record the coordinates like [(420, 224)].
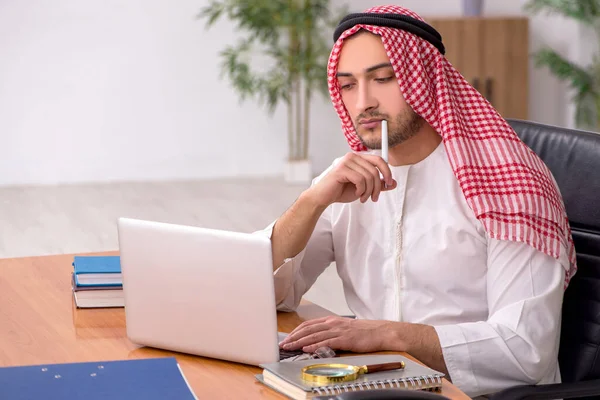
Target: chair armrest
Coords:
[(549, 392)]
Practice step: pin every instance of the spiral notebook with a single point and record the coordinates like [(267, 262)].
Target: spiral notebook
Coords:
[(286, 377)]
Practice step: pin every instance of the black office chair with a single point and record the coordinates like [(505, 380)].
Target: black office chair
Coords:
[(573, 156)]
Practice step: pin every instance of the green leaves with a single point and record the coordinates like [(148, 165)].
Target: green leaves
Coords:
[(584, 81), (293, 34), (272, 89), (296, 38), (268, 88), (256, 16), (212, 12), (586, 11), (581, 81), (237, 70), (579, 78)]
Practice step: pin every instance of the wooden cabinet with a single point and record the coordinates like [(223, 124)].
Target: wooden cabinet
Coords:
[(493, 55)]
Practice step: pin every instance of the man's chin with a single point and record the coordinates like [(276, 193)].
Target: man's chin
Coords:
[(369, 138), (371, 145)]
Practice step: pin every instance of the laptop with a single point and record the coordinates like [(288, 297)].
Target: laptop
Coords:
[(199, 291)]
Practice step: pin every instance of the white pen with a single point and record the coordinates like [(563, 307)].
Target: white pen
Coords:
[(384, 145), (384, 140)]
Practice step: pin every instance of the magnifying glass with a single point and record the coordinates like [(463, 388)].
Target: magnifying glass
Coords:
[(333, 373)]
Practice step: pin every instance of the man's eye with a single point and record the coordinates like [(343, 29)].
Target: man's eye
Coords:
[(346, 86), (386, 79)]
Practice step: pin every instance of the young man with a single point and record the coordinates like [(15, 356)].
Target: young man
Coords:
[(458, 249)]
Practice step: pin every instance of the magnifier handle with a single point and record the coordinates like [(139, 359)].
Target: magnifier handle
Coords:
[(384, 367)]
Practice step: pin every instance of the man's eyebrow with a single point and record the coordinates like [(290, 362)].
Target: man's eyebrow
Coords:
[(378, 66), (370, 69)]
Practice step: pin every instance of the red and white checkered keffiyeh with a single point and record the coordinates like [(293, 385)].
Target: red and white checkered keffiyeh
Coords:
[(509, 188)]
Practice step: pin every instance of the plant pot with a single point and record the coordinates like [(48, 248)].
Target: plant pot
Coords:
[(472, 8), (298, 171)]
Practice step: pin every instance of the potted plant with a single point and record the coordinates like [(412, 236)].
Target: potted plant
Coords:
[(292, 34), (584, 80)]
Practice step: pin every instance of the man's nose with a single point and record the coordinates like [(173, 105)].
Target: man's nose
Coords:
[(365, 100)]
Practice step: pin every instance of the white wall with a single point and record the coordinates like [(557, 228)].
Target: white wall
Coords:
[(129, 90)]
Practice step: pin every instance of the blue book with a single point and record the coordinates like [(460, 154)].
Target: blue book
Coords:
[(97, 271), (149, 379)]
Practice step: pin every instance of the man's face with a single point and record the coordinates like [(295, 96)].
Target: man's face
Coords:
[(371, 92)]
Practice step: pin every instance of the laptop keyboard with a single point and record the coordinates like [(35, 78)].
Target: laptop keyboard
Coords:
[(283, 354)]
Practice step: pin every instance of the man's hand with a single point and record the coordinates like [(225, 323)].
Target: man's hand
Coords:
[(354, 177), (359, 336), (366, 336)]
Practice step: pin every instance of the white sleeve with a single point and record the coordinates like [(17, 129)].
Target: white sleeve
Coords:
[(518, 344), (296, 275)]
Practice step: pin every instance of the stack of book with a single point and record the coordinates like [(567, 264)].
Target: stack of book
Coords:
[(97, 282)]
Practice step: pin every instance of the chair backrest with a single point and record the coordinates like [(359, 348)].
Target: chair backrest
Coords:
[(573, 156)]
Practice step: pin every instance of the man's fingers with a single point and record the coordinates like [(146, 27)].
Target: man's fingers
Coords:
[(311, 339), (333, 344), (365, 172), (311, 326), (390, 187), (303, 331), (310, 322), (314, 321), (373, 173), (357, 166), (381, 166), (356, 178)]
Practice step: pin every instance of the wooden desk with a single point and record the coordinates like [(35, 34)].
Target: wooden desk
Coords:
[(40, 325)]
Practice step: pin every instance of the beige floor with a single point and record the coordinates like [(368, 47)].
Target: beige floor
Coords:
[(81, 218)]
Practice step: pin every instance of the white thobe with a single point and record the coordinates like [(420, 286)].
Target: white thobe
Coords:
[(419, 255)]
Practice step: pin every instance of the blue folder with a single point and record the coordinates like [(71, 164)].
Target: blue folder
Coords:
[(149, 379)]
